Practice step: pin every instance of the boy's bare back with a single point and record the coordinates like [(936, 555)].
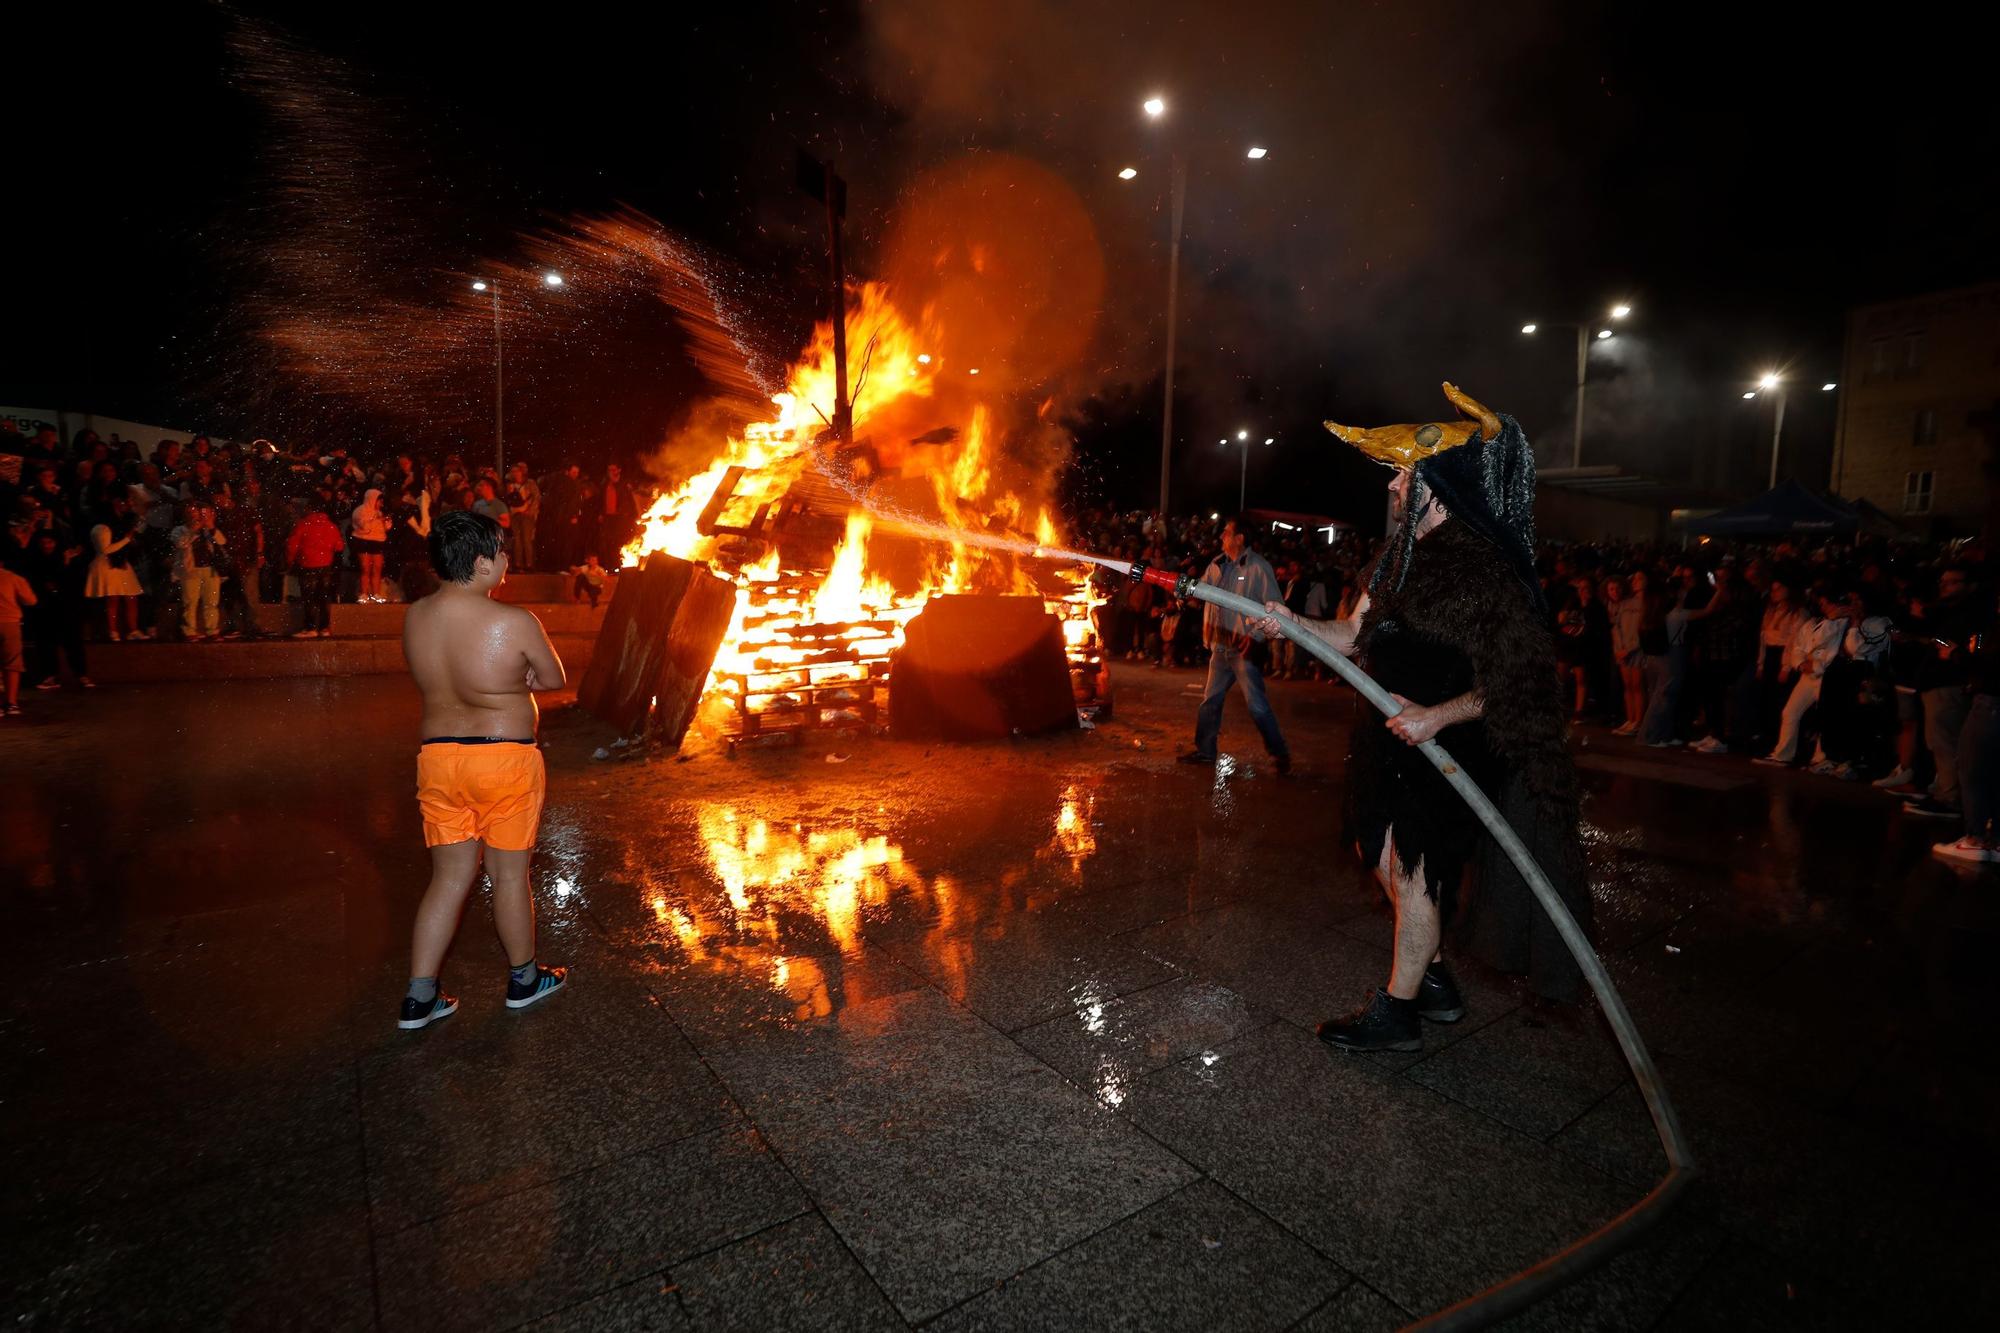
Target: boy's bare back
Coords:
[(477, 662)]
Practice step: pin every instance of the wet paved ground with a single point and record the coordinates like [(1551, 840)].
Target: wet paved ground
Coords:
[(1009, 1036)]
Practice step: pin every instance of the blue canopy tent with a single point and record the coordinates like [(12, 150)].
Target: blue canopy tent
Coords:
[(1786, 510)]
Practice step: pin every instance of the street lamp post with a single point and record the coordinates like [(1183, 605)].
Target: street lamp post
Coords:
[(500, 368), (1583, 341), (1243, 477), (1177, 190), (1777, 422), (1156, 107)]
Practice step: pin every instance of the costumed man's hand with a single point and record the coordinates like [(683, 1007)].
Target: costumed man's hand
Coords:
[(1268, 626), (1417, 723)]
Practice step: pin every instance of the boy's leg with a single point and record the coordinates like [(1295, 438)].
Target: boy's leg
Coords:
[(513, 904), (453, 868)]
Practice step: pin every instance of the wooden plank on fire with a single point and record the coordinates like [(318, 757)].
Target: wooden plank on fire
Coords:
[(660, 636)]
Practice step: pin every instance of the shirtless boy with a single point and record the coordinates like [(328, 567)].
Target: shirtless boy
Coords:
[(480, 782)]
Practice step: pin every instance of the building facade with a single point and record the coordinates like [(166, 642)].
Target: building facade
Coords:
[(1919, 387)]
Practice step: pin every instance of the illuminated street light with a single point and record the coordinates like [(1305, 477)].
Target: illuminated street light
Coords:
[(923, 358), (1751, 394), (1583, 330), (1156, 107), (478, 286), (1826, 388), (1242, 434), (1271, 440), (552, 279), (1128, 173), (1769, 381), (973, 371), (1256, 154)]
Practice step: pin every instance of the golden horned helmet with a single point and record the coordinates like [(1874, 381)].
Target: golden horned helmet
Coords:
[(1406, 446)]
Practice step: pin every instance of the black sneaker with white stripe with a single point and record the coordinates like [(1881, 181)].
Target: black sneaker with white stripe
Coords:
[(546, 982), (423, 1013)]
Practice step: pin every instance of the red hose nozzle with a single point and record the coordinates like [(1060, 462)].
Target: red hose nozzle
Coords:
[(1160, 578)]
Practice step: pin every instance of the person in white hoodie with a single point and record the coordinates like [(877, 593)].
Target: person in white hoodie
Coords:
[(368, 533), (1815, 647)]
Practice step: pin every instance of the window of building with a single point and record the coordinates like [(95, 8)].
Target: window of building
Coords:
[(1917, 492), (1913, 352), (1878, 358), (1923, 427)]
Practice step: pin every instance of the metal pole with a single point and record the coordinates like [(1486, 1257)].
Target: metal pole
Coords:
[(1178, 193), (1777, 429), (1582, 365), (499, 398), (843, 412)]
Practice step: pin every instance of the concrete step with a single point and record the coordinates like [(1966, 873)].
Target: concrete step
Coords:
[(357, 655), (385, 619), (543, 589)]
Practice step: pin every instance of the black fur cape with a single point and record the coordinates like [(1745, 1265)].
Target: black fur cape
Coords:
[(1456, 620)]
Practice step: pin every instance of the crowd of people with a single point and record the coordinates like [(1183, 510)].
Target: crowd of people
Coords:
[(107, 540), (1861, 661)]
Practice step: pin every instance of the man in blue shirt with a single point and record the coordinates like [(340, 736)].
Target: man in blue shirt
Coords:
[(1234, 648)]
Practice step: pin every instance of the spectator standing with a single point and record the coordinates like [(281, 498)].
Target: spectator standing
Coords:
[(1627, 640), (1977, 754), (1814, 648), (1854, 709), (524, 501), (243, 545), (1777, 631), (15, 599), (561, 496), (311, 549), (1583, 637), (368, 526), (1728, 669), (55, 627), (111, 578), (198, 566), (487, 501), (615, 516), (1942, 665)]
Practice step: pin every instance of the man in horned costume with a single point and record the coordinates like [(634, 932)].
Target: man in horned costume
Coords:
[(1453, 623)]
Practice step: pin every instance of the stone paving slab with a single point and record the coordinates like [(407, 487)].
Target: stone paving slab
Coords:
[(1197, 1260), (795, 1276), (1427, 1201), (549, 1247), (285, 1244), (942, 1155)]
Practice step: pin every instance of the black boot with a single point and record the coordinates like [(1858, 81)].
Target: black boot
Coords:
[(1437, 996), (1385, 1024)]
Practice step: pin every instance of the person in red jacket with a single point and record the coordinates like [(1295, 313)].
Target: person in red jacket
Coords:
[(310, 550)]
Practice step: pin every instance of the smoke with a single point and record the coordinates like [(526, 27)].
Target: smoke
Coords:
[(1386, 205)]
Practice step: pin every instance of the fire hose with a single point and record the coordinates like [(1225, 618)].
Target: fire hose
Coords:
[(1530, 1285)]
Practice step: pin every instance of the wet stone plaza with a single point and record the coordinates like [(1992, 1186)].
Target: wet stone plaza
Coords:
[(872, 1035)]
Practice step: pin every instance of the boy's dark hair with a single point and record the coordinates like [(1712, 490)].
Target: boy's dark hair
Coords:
[(458, 539)]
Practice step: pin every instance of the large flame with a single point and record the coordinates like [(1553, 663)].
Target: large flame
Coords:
[(917, 420)]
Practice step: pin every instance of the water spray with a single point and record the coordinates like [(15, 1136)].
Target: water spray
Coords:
[(1524, 1288)]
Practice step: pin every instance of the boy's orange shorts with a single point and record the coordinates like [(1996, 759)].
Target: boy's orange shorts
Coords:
[(492, 792)]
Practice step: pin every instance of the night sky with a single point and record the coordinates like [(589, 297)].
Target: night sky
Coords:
[(1438, 174)]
